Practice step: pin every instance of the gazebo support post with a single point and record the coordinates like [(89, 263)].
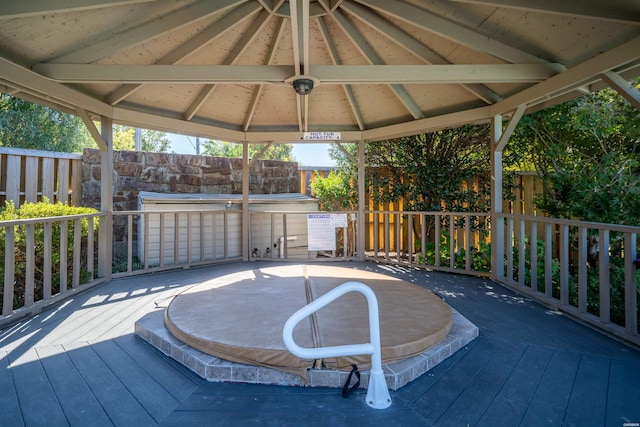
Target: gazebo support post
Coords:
[(105, 231), (245, 200), (360, 227), (499, 139)]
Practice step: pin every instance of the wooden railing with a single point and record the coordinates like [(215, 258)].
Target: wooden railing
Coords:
[(169, 239), (43, 259), (550, 260), (588, 270)]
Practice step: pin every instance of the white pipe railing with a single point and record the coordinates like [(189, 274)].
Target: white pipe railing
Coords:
[(377, 392)]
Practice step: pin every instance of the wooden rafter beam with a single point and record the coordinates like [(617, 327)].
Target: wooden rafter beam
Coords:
[(620, 85)]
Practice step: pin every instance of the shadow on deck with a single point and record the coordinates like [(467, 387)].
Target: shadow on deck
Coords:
[(80, 364)]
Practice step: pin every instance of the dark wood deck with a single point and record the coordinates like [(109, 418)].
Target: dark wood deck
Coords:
[(80, 364)]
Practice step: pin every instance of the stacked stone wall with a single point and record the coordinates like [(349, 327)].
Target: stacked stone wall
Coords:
[(135, 171)]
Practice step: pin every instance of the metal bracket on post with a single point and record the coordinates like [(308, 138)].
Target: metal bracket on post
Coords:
[(377, 392)]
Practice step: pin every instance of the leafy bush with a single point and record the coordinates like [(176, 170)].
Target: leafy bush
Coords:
[(42, 209)]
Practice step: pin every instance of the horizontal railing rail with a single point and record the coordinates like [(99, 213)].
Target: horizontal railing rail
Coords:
[(43, 259)]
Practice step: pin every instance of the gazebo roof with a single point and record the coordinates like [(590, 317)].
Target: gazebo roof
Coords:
[(224, 69)]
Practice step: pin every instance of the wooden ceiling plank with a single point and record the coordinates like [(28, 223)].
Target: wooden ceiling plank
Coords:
[(10, 9), (232, 56), (619, 10), (372, 56), (257, 92), (335, 58), (193, 45), (413, 46), (451, 31), (141, 33)]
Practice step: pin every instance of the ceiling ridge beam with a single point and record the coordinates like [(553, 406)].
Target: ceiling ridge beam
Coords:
[(141, 33), (281, 74), (451, 31), (190, 47), (28, 8)]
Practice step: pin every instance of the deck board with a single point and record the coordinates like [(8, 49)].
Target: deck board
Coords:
[(118, 402), (528, 367), (9, 405), (511, 402), (437, 399), (586, 405), (156, 400), (549, 402), (179, 382), (624, 392), (477, 396), (78, 403), (38, 401)]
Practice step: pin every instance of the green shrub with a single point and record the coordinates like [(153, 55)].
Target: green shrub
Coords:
[(42, 209)]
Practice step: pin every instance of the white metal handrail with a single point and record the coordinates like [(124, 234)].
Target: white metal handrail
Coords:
[(377, 392)]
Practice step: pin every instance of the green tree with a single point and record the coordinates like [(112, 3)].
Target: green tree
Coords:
[(587, 153), (228, 149), (152, 140), (24, 124), (426, 170)]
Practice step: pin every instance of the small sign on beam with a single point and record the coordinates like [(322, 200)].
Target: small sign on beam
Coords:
[(322, 136)]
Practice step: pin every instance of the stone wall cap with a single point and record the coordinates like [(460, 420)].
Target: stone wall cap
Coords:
[(162, 198)]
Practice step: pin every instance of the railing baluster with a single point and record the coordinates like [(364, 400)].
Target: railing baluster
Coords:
[(548, 260), (176, 238), (582, 269), (630, 287), (467, 242), (77, 246), (386, 235), (410, 238), (521, 252), (533, 254), (438, 238), (64, 228), (564, 264), (9, 270), (398, 229), (46, 268), (129, 243), (30, 265), (603, 266)]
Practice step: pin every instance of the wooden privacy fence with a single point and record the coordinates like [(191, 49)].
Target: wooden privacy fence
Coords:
[(32, 175)]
